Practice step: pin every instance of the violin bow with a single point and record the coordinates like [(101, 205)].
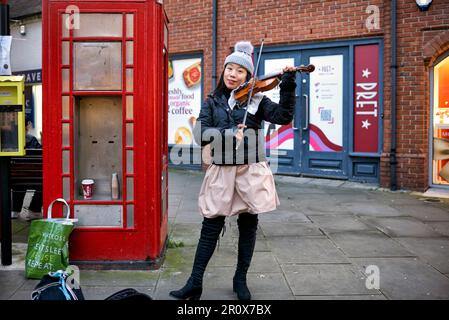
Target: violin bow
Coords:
[(251, 91)]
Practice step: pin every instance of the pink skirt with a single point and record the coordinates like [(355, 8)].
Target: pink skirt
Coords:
[(230, 190)]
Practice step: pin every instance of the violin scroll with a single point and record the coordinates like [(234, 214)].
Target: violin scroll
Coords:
[(307, 69)]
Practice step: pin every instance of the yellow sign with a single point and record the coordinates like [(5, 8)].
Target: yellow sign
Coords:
[(12, 116)]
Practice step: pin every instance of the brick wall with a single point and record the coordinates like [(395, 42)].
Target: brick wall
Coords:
[(422, 36), (415, 30)]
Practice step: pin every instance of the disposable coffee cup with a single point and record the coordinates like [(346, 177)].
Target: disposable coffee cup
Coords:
[(88, 188)]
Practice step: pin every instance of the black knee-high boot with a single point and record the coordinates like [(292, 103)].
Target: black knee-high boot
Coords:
[(210, 232), (247, 223)]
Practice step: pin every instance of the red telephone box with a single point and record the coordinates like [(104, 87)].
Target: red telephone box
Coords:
[(105, 126)]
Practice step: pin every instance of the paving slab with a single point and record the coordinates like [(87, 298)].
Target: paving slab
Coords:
[(19, 225), (187, 233), (323, 204), (21, 236), (329, 279), (305, 250), (101, 292), (220, 294), (407, 278), (264, 262), (224, 256), (21, 295), (359, 186), (188, 206), (296, 180), (219, 277), (276, 229), (343, 297), (12, 279), (368, 244), (371, 208), (170, 279), (326, 182), (291, 216), (290, 202), (402, 227), (119, 278), (285, 192), (29, 284), (321, 207), (7, 292), (269, 286), (340, 223), (180, 258), (433, 251), (343, 196), (175, 199), (172, 211), (262, 246), (188, 216), (423, 212), (18, 251), (442, 227), (397, 201), (285, 295)]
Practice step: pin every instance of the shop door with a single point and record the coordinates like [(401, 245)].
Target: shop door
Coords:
[(280, 140), (324, 113), (440, 125)]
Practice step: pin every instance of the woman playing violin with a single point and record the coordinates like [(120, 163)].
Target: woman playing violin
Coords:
[(239, 180)]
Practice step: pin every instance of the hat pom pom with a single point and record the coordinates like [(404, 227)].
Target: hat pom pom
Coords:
[(244, 46)]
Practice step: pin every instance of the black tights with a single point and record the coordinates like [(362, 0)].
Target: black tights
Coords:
[(210, 233)]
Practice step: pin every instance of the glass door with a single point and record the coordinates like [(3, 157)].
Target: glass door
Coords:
[(324, 113), (280, 139), (440, 161)]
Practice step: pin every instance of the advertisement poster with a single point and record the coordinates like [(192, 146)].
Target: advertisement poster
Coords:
[(184, 99), (326, 104), (366, 98), (277, 136)]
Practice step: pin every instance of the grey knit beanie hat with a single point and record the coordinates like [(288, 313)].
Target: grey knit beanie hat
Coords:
[(242, 55)]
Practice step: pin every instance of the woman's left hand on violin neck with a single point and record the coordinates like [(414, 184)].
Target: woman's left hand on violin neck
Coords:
[(288, 69)]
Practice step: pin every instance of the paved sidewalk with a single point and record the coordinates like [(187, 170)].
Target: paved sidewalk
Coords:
[(318, 245)]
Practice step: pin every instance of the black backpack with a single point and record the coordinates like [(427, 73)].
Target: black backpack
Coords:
[(54, 286), (129, 294)]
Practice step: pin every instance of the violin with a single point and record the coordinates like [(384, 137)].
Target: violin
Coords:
[(264, 83)]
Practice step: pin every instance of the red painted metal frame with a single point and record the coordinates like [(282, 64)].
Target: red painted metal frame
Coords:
[(144, 241)]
